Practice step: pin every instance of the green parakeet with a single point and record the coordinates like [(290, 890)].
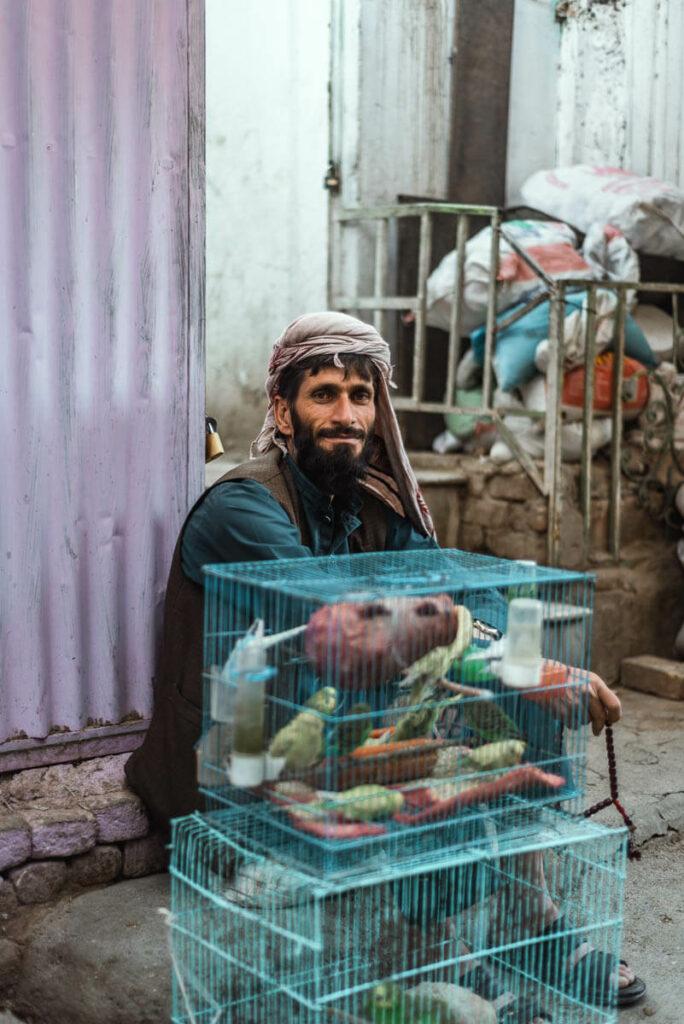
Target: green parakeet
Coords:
[(387, 1005), (353, 733), (300, 742), (489, 721), (423, 677), (361, 803), (424, 673)]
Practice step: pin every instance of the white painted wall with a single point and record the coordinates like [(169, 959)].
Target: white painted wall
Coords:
[(391, 109), (267, 151), (533, 93), (268, 69), (621, 87)]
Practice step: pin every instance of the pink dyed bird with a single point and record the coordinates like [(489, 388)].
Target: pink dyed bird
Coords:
[(364, 645)]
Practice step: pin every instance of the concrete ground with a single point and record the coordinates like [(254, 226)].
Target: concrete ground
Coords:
[(101, 957)]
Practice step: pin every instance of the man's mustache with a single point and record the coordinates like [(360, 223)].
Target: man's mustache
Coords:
[(344, 432)]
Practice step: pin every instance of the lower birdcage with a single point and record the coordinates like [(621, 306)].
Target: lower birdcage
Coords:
[(363, 701), (527, 923)]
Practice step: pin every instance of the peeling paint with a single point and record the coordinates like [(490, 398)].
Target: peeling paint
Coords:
[(621, 86)]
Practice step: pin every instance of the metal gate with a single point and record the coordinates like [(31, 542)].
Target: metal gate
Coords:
[(547, 475)]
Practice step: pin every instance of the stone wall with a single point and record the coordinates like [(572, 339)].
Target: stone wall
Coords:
[(64, 828), (639, 606)]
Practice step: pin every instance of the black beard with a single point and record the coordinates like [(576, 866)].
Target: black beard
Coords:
[(334, 472)]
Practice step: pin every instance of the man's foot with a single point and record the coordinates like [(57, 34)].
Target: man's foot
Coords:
[(598, 977)]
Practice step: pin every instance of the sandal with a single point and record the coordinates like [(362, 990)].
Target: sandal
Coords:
[(632, 993), (519, 1010), (590, 979)]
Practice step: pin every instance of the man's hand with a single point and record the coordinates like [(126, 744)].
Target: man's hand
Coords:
[(589, 700), (604, 706)]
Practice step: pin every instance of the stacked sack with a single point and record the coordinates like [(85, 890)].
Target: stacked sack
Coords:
[(619, 214)]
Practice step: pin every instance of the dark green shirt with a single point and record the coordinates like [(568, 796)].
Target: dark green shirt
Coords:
[(240, 521)]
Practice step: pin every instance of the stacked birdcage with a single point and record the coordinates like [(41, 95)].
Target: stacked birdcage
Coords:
[(384, 738)]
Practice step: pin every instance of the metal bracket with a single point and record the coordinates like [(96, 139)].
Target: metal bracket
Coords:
[(331, 181)]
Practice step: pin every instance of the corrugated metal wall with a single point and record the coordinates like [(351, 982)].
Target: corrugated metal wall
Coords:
[(621, 86), (100, 375)]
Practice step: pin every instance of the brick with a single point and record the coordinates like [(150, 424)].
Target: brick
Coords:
[(15, 841), (8, 899), (538, 517), (650, 674), (506, 543), (10, 958), (488, 512), (476, 485), (60, 832), (472, 537), (39, 880), (512, 488), (144, 857), (67, 784), (96, 867), (118, 816)]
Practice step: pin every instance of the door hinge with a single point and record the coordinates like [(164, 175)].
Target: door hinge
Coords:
[(331, 181)]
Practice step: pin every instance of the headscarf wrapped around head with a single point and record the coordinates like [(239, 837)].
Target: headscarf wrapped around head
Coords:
[(389, 475)]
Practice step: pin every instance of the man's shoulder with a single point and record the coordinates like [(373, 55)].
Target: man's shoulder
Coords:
[(262, 469)]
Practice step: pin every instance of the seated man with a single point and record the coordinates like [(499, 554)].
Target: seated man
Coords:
[(328, 475)]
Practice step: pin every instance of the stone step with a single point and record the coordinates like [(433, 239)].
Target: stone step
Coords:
[(99, 958), (650, 674)]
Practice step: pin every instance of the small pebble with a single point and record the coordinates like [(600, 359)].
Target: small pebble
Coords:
[(649, 1011)]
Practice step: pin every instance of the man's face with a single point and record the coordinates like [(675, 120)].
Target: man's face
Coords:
[(329, 425)]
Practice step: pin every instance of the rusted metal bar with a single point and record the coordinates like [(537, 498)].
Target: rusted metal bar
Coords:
[(405, 403), (522, 456), (614, 511), (625, 286), (456, 307), (424, 256), (676, 331), (413, 210), (380, 272), (523, 311), (552, 437), (588, 419), (532, 263), (490, 324)]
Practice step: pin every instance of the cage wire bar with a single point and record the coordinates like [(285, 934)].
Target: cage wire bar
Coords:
[(549, 482), (380, 713), (254, 941)]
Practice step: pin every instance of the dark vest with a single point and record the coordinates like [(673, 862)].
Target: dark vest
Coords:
[(163, 771)]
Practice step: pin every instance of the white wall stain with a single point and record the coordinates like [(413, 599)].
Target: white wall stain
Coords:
[(621, 86)]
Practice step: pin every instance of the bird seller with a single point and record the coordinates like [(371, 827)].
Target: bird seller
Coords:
[(327, 475)]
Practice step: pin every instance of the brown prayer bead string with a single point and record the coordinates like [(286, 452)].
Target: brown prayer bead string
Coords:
[(632, 852)]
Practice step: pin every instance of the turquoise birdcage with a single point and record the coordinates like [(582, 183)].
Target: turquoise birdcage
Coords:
[(365, 701), (417, 939)]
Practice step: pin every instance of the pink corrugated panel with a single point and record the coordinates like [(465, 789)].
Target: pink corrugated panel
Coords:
[(100, 374)]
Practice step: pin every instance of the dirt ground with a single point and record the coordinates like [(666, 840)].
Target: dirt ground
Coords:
[(650, 749)]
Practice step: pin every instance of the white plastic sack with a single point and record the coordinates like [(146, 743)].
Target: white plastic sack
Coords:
[(552, 245), (608, 252), (657, 325), (649, 213), (530, 433), (574, 332)]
